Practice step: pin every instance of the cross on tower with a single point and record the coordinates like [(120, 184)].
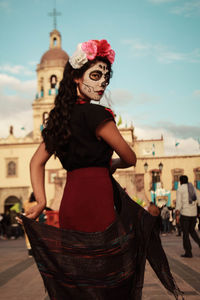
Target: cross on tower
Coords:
[(54, 14)]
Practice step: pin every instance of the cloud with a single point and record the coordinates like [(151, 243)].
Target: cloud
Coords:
[(186, 146), (177, 131), (116, 97), (13, 104), (33, 63), (138, 47), (16, 97), (17, 69), (160, 52), (186, 135), (144, 98), (17, 120), (187, 9), (14, 84), (147, 132), (181, 131), (120, 96)]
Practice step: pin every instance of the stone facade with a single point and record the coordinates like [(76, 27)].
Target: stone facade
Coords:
[(173, 167)]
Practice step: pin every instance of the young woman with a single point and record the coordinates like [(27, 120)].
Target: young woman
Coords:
[(100, 249), (83, 136)]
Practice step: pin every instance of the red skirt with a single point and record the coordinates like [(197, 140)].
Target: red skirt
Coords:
[(87, 204)]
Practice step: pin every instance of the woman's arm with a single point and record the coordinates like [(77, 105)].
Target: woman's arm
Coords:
[(110, 133), (37, 171)]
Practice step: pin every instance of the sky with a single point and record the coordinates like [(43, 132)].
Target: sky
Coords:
[(156, 73)]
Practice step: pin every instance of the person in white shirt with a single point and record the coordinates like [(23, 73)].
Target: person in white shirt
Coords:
[(186, 213)]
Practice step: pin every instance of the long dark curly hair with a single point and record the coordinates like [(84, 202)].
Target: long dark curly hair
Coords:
[(56, 132)]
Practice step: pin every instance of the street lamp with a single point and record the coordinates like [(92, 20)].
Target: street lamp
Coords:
[(154, 186), (160, 166), (146, 167)]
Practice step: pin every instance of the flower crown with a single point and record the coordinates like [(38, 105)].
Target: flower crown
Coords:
[(89, 50)]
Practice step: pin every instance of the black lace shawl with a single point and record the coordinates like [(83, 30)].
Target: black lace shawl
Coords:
[(105, 265)]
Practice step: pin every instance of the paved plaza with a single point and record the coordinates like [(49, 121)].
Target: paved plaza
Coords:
[(20, 279)]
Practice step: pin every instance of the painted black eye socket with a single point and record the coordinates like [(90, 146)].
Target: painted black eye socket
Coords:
[(95, 75), (107, 78)]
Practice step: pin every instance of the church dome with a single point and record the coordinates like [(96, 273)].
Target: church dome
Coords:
[(53, 56)]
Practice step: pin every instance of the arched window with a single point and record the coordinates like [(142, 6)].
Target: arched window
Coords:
[(197, 178), (53, 81), (12, 202), (155, 179), (42, 92), (155, 183), (41, 84), (55, 41), (11, 169), (45, 116)]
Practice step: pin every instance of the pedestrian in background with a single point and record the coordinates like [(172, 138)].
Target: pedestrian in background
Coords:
[(177, 225), (187, 201), (1, 227), (165, 219), (198, 213), (7, 224)]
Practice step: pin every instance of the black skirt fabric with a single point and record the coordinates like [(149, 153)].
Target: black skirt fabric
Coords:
[(106, 265)]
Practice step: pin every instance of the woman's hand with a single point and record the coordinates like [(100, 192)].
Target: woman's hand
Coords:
[(35, 211), (37, 170)]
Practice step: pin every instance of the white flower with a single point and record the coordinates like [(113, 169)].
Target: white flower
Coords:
[(79, 58)]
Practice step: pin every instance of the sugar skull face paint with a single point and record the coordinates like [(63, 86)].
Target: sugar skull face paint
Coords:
[(94, 82)]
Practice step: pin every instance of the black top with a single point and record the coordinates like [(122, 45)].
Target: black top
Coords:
[(84, 149)]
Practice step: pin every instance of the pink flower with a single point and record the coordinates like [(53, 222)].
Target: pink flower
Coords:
[(103, 48), (90, 49), (111, 56), (94, 48)]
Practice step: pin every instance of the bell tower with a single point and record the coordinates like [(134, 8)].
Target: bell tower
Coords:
[(49, 74), (55, 39)]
